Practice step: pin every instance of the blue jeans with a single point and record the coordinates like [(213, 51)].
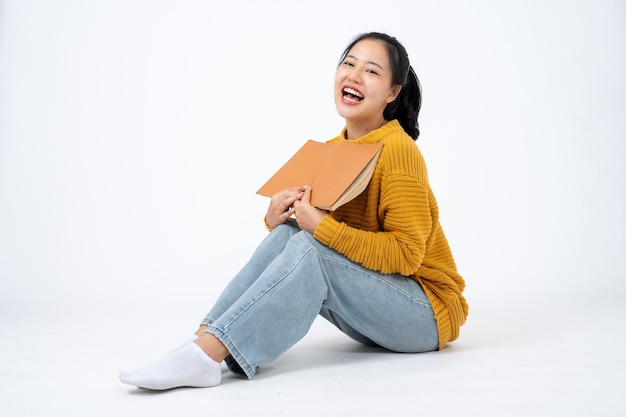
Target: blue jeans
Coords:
[(291, 278)]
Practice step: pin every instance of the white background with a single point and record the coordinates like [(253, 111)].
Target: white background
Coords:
[(134, 134)]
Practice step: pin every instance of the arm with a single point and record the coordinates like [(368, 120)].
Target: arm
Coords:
[(406, 214)]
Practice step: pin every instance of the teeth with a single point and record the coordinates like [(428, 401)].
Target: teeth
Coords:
[(353, 92)]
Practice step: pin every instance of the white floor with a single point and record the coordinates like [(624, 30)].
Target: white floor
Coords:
[(537, 360)]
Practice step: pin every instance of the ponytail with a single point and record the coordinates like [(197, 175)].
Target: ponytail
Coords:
[(406, 107)]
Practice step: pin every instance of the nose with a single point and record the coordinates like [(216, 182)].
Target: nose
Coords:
[(355, 75)]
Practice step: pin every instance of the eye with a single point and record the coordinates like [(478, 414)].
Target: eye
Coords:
[(371, 71), (349, 64)]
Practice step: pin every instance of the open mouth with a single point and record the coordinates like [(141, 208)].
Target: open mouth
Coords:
[(352, 94)]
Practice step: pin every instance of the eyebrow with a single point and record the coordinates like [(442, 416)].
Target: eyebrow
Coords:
[(369, 62)]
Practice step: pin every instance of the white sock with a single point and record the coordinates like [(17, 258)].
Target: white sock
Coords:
[(186, 367), (190, 339)]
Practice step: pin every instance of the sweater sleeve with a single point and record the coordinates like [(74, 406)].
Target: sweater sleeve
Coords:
[(406, 216)]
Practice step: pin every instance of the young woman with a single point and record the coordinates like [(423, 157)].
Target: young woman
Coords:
[(379, 268)]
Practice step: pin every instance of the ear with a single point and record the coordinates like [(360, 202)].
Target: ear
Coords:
[(393, 93)]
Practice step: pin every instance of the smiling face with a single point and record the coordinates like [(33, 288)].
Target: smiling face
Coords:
[(363, 87)]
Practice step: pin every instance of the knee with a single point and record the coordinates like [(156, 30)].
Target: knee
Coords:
[(284, 232), (289, 228), (302, 237)]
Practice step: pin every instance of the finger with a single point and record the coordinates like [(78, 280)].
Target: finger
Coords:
[(292, 190), (306, 197), (288, 213), (287, 196), (289, 202)]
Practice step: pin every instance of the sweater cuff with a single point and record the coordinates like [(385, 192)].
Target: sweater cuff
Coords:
[(267, 226), (326, 230)]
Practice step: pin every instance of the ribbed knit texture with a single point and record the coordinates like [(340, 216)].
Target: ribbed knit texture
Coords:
[(393, 227)]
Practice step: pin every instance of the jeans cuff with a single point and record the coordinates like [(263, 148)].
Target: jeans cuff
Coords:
[(242, 366)]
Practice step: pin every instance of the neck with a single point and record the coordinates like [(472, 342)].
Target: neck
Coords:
[(355, 130)]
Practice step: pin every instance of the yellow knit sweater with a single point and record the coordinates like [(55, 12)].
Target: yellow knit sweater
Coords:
[(393, 227)]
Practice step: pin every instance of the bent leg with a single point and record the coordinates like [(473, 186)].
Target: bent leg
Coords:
[(278, 308), (268, 249), (195, 363), (387, 310)]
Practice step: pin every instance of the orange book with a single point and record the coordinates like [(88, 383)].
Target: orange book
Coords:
[(336, 172)]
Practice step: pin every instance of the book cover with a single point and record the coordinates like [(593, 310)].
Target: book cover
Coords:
[(336, 172)]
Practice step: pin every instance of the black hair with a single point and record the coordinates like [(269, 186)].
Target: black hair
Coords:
[(406, 106)]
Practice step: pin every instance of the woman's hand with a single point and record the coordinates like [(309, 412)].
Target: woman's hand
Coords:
[(307, 216), (282, 205)]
